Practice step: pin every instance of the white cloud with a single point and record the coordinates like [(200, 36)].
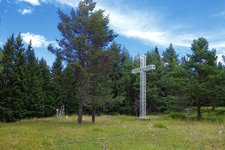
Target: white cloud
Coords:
[(25, 11), (220, 14), (220, 58), (37, 40), (71, 3), (32, 2), (218, 45), (145, 26)]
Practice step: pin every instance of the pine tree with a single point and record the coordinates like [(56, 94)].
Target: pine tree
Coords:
[(201, 65), (85, 33)]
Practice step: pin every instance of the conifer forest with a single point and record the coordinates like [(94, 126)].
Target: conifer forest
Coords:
[(91, 74)]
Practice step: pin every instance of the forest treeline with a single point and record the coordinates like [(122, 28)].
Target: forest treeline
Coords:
[(92, 74)]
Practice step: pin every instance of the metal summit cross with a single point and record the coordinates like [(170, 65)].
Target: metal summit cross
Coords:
[(142, 70)]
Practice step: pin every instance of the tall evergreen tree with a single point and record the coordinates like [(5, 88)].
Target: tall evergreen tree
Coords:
[(69, 89), (20, 75), (173, 80), (57, 75), (130, 82), (1, 56), (85, 33), (46, 104), (34, 89), (8, 103), (155, 101), (116, 72), (13, 77), (201, 65), (170, 57)]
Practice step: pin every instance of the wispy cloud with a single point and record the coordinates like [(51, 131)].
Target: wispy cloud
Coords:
[(25, 11), (71, 3), (32, 2), (36, 39), (220, 14), (218, 45), (145, 26)]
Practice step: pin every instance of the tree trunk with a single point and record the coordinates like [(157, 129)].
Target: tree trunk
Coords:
[(199, 113), (93, 110), (213, 108), (80, 112), (93, 105)]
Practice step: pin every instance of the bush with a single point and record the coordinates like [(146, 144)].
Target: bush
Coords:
[(177, 115), (210, 117), (159, 125)]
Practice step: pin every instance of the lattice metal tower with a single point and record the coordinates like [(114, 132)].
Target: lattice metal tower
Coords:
[(142, 70)]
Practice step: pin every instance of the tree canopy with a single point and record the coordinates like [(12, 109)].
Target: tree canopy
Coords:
[(92, 74)]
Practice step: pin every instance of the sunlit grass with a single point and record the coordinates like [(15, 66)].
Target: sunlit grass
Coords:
[(112, 132)]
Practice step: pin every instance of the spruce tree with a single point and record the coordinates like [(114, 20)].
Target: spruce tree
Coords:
[(46, 104), (69, 89), (130, 82), (1, 56), (13, 80), (8, 103), (116, 71), (34, 92), (19, 86), (57, 79), (155, 96)]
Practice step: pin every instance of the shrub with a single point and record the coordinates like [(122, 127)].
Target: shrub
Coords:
[(177, 115), (159, 125)]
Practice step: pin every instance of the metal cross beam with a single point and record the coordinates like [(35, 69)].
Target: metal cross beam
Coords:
[(142, 70)]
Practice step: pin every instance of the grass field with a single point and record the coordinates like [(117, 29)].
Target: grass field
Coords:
[(112, 133)]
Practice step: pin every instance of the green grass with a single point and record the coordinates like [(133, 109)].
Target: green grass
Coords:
[(113, 133), (218, 115)]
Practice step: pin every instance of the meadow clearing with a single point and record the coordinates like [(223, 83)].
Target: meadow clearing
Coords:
[(157, 132)]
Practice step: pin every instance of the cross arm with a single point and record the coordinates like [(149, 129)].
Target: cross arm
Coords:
[(136, 71), (149, 67)]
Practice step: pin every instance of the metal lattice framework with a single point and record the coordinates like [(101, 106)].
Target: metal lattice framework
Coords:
[(142, 70)]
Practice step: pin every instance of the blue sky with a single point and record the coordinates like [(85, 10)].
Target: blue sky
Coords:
[(141, 25)]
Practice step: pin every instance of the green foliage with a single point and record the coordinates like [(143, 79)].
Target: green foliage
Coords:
[(85, 34), (159, 125), (25, 83), (201, 66), (93, 75), (69, 89), (1, 56), (177, 115)]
